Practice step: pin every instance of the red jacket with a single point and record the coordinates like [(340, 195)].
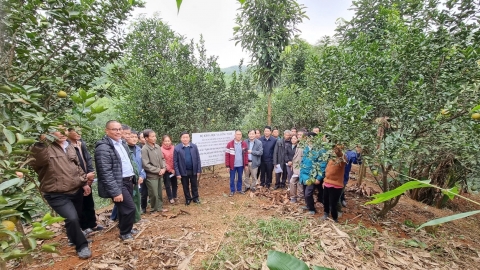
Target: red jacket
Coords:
[(230, 154)]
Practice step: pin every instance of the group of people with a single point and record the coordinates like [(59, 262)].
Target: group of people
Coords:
[(130, 168), (300, 168)]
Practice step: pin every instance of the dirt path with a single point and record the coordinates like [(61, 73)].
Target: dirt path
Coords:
[(221, 229)]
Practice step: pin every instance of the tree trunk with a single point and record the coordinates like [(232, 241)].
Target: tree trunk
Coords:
[(361, 173), (269, 109)]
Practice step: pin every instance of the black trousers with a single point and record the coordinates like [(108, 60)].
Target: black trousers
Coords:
[(266, 170), (281, 178), (187, 182), (309, 197), (143, 194), (68, 206), (171, 185), (88, 218), (320, 191), (330, 199), (126, 209)]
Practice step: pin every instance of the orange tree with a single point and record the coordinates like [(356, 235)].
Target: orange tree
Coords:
[(403, 85), (51, 54)]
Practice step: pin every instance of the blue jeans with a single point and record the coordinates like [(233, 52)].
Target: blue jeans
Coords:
[(239, 172)]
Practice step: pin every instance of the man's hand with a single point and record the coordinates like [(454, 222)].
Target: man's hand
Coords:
[(119, 198), (90, 176), (179, 177), (86, 190), (162, 171), (249, 151), (228, 170), (198, 175), (289, 163), (140, 180), (317, 182)]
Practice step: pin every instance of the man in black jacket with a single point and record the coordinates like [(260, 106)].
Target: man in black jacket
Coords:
[(279, 159), (116, 176), (88, 218)]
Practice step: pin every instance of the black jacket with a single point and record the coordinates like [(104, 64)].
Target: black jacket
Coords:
[(109, 168), (289, 152), (279, 153)]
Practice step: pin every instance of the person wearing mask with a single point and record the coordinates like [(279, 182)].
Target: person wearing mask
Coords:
[(279, 159), (88, 218), (116, 176), (188, 167), (268, 144), (255, 151), (236, 160), (63, 184), (169, 179), (154, 165)]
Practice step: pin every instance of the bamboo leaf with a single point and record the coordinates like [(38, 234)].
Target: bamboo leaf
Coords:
[(448, 219), (281, 261)]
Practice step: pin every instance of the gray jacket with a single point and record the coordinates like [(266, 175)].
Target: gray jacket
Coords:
[(257, 152)]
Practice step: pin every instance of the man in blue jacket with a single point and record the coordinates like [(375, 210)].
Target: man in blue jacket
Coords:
[(186, 161), (266, 166)]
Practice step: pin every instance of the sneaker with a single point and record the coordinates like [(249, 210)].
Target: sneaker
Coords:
[(340, 214), (87, 231), (144, 211), (246, 189), (84, 253), (336, 221), (231, 194), (293, 200), (197, 201), (311, 212), (126, 237), (304, 208), (324, 217), (134, 231), (252, 189), (344, 203), (242, 192), (71, 244), (172, 201)]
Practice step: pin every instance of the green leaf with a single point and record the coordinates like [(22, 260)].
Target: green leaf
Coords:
[(49, 248), (241, 1), (382, 197), (451, 192), (179, 3), (9, 135), (448, 219), (8, 146), (9, 183), (476, 108), (33, 242), (281, 261), (82, 94)]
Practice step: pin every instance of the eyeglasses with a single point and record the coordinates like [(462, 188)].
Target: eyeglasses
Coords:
[(115, 129)]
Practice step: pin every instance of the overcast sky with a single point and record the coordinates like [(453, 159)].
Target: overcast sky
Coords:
[(215, 20)]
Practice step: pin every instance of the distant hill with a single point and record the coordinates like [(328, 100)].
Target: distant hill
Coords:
[(230, 70)]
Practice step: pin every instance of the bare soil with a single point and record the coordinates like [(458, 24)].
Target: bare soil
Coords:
[(189, 237)]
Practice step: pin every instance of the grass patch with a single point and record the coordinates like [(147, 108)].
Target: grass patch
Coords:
[(250, 241), (363, 236), (99, 201)]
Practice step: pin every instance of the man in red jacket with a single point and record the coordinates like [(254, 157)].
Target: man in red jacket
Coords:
[(236, 159)]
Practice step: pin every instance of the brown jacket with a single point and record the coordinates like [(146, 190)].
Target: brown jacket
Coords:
[(58, 171), (152, 160), (335, 171)]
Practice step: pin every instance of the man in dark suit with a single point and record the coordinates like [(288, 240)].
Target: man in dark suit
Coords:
[(186, 161)]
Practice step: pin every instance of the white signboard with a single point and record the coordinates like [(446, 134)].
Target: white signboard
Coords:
[(212, 146)]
